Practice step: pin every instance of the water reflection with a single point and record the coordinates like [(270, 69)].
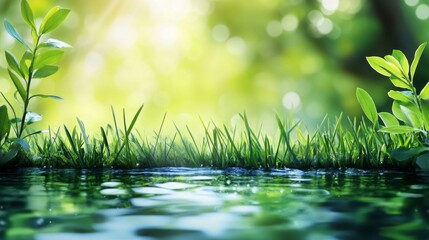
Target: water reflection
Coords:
[(181, 203)]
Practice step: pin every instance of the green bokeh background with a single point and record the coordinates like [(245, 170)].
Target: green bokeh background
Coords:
[(216, 58)]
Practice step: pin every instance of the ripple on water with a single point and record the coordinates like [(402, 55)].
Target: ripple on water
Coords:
[(113, 191), (152, 190), (110, 184), (175, 185), (144, 202), (317, 192), (201, 178)]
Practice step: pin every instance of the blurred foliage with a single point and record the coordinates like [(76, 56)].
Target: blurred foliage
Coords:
[(217, 58)]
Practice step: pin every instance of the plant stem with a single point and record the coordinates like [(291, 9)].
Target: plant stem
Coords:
[(30, 77)]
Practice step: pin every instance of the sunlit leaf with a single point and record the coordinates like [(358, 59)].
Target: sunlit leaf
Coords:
[(388, 119), (53, 19), (48, 58), (25, 61), (34, 35), (11, 30), (367, 104), (398, 129), (425, 109), (27, 14), (18, 85), (424, 94), (13, 63), (423, 161), (413, 115), (45, 71), (384, 67), (403, 154), (400, 82), (404, 96), (4, 122), (400, 56), (416, 60), (54, 43), (395, 62), (376, 63)]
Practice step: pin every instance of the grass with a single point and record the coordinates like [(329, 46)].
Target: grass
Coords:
[(341, 143)]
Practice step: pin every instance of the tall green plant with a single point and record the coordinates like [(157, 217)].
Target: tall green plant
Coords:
[(410, 109), (37, 62)]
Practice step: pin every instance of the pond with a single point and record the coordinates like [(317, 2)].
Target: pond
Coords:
[(182, 203)]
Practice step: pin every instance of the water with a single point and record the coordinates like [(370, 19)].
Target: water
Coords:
[(180, 203)]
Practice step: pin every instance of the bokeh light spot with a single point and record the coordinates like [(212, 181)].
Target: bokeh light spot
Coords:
[(274, 28), (220, 33), (422, 12), (291, 100), (290, 22), (330, 5), (236, 45), (411, 3)]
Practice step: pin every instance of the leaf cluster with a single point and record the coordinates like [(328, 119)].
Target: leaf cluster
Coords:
[(38, 61), (410, 109)]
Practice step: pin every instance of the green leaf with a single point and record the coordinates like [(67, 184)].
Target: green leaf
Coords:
[(384, 67), (48, 58), (24, 144), (425, 110), (403, 154), (424, 94), (45, 71), (11, 30), (54, 43), (27, 14), (25, 62), (53, 19), (404, 96), (395, 62), (18, 85), (413, 115), (416, 60), (396, 110), (4, 122), (388, 119), (47, 96), (34, 35), (423, 161), (10, 154), (376, 63), (367, 104), (400, 82), (13, 63), (398, 129), (400, 56)]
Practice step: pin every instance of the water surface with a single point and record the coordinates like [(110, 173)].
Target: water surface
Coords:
[(182, 203)]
